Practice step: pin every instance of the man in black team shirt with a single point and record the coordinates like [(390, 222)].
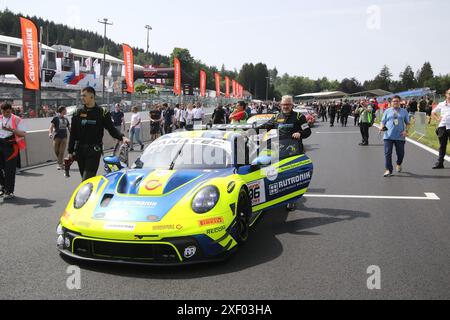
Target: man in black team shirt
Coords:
[(118, 118), (291, 126), (346, 110), (218, 116), (155, 123), (86, 135)]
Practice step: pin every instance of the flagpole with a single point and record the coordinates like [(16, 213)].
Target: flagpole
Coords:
[(38, 96), (106, 23)]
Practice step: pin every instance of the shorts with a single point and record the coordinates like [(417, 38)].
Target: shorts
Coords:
[(155, 129)]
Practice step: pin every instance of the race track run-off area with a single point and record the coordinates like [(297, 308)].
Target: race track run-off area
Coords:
[(352, 226)]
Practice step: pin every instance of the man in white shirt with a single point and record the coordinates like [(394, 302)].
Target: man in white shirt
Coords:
[(135, 129), (12, 132), (177, 116), (442, 115), (199, 115)]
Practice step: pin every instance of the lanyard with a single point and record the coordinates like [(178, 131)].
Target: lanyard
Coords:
[(4, 125)]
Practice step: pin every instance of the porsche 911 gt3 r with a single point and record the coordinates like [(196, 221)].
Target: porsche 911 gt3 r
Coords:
[(191, 198)]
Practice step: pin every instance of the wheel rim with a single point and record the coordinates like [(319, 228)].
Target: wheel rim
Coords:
[(242, 219)]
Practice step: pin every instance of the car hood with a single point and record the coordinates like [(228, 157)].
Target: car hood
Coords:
[(148, 195)]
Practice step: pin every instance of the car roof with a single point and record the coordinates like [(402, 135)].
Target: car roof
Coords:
[(229, 136)]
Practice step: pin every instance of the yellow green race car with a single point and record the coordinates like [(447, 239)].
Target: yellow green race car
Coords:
[(190, 198)]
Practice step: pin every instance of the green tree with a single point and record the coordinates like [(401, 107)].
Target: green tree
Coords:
[(350, 86), (383, 79), (425, 74), (247, 77), (407, 79)]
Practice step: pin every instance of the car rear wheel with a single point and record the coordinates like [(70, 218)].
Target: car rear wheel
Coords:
[(242, 220)]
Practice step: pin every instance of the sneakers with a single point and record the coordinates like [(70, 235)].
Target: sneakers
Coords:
[(399, 168), (8, 196), (59, 168), (2, 193), (387, 174), (438, 166), (142, 147)]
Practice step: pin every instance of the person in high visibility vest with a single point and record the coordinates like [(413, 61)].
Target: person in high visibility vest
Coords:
[(12, 141), (239, 115)]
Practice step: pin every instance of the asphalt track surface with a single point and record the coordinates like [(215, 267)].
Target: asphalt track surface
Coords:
[(320, 251)]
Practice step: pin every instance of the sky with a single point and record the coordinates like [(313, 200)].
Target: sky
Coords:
[(336, 39)]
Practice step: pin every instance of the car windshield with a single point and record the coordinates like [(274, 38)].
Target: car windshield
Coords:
[(195, 153)]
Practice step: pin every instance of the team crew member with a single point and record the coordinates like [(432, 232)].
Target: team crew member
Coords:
[(218, 116), (119, 122), (442, 115), (155, 123), (12, 133), (345, 113), (239, 115), (86, 136), (58, 132), (365, 121), (291, 125), (332, 110)]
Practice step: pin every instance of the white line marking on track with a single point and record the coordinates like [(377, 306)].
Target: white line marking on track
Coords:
[(428, 196)]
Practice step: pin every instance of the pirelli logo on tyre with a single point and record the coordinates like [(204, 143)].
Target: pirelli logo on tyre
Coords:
[(210, 222)]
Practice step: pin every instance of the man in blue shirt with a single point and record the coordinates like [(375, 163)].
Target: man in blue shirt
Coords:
[(395, 125)]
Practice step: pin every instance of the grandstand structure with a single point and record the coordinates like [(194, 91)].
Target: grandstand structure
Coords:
[(65, 71)]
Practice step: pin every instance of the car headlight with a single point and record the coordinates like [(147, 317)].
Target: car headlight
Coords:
[(59, 230), (83, 196), (205, 200)]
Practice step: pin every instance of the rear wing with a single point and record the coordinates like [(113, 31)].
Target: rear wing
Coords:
[(226, 127)]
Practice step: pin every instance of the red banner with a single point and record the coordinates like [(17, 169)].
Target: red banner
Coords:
[(177, 77), (128, 59), (227, 87), (217, 76), (241, 91), (234, 89), (238, 90), (30, 54), (202, 83)]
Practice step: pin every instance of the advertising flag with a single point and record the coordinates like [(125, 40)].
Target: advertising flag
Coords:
[(128, 59), (30, 54), (177, 77), (217, 76), (202, 83), (227, 87)]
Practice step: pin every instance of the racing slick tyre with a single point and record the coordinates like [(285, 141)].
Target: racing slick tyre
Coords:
[(242, 219)]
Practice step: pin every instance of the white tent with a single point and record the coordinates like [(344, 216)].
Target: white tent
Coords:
[(323, 95)]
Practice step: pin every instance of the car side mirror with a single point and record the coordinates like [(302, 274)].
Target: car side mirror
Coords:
[(113, 164), (262, 161)]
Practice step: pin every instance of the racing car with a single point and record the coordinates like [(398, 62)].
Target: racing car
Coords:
[(191, 197)]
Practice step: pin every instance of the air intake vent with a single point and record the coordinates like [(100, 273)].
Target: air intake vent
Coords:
[(106, 200)]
